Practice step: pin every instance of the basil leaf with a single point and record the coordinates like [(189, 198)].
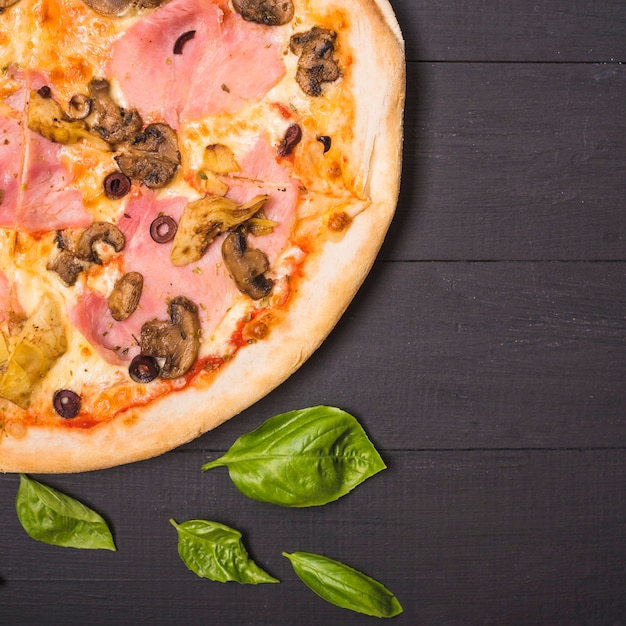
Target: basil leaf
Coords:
[(53, 517), (306, 457), (215, 551), (343, 586)]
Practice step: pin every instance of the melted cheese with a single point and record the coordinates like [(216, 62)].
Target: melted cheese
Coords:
[(64, 44)]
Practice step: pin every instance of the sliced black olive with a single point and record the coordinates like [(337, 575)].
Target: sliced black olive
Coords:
[(116, 185), (45, 91), (163, 229), (143, 368), (267, 12), (292, 138), (182, 40), (99, 231), (66, 403), (325, 140)]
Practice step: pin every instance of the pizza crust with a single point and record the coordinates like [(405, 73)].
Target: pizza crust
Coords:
[(331, 279)]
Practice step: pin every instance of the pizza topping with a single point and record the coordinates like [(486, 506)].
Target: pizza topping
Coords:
[(124, 297), (67, 266), (179, 88), (97, 233), (46, 117), (152, 156), (292, 138), (204, 219), (325, 140), (107, 119), (220, 159), (176, 341), (79, 106), (45, 91), (114, 8), (116, 185), (143, 368), (316, 64), (163, 228), (182, 40), (66, 403), (267, 12), (37, 347), (247, 266)]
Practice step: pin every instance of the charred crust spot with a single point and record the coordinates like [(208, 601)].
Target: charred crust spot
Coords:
[(339, 221)]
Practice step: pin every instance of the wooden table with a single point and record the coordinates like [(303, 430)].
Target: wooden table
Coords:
[(484, 355)]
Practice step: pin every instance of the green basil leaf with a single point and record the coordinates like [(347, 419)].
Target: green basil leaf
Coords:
[(306, 457), (53, 517), (343, 586), (215, 551)]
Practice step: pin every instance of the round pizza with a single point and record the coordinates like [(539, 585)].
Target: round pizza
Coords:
[(191, 192)]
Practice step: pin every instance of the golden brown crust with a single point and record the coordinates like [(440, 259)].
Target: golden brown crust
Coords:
[(331, 278)]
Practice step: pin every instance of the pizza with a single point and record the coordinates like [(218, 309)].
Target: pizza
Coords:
[(191, 193)]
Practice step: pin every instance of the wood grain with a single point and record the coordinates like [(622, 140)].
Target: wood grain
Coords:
[(544, 31), (514, 162), (485, 355), (481, 537)]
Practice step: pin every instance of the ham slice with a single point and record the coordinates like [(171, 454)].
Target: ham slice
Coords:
[(206, 283), (10, 167), (45, 201), (227, 62), (34, 183)]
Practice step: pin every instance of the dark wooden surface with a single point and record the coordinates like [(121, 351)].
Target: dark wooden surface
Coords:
[(485, 355)]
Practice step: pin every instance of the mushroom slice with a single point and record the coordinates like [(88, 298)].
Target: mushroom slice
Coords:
[(151, 156), (67, 266), (114, 8), (246, 266), (124, 297), (203, 220), (316, 64), (107, 119), (176, 341), (268, 12), (79, 106), (99, 232)]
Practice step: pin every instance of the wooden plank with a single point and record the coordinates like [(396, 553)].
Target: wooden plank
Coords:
[(509, 537), (471, 355), (508, 162), (514, 30)]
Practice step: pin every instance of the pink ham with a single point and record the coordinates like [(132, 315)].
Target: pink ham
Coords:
[(10, 168), (228, 61), (46, 203), (114, 340), (206, 283)]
